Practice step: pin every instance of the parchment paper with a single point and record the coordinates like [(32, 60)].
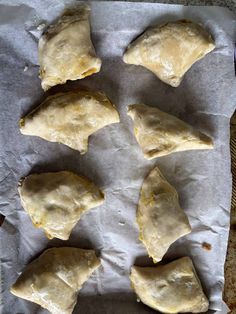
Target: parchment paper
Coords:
[(205, 99)]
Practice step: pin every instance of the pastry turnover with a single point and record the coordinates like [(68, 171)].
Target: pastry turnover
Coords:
[(169, 50), (70, 118), (54, 279), (170, 288), (66, 51), (55, 201), (160, 219), (159, 133)]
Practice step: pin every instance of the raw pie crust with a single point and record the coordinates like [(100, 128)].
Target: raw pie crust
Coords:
[(159, 133), (170, 50), (55, 201), (54, 279), (160, 218), (70, 118), (170, 288), (66, 51)]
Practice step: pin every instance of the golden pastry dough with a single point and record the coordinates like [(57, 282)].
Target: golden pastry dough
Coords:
[(54, 279), (66, 51), (170, 50), (70, 118), (55, 201), (159, 133), (160, 219), (170, 288)]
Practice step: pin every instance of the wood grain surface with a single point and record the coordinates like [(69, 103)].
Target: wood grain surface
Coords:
[(230, 264)]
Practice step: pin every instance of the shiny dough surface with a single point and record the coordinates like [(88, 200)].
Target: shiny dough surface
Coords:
[(160, 219), (170, 288), (54, 279), (66, 51), (159, 133), (70, 118), (55, 201), (169, 50)]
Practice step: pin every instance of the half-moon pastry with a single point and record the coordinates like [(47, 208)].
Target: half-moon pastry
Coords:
[(159, 133), (54, 279), (170, 288), (55, 201), (70, 118), (160, 218), (169, 50), (66, 51)]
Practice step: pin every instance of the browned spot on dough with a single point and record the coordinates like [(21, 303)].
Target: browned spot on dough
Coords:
[(206, 246), (89, 72)]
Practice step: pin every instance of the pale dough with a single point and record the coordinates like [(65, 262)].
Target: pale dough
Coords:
[(66, 51), (170, 288), (160, 219), (170, 50), (55, 201), (70, 118), (54, 279), (159, 133)]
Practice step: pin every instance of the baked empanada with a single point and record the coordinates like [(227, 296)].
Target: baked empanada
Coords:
[(54, 279), (55, 201), (70, 118), (160, 219), (170, 288), (66, 51), (169, 50), (159, 133)]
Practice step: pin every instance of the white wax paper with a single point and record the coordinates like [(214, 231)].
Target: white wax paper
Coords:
[(205, 99)]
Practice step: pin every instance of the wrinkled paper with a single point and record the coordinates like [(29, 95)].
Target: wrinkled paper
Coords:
[(205, 99)]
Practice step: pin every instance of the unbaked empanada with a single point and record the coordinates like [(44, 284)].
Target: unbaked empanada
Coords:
[(66, 51), (70, 118), (55, 201), (170, 288), (159, 133), (160, 219), (169, 50), (54, 279)]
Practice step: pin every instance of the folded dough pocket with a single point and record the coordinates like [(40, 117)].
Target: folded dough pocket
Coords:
[(160, 219), (54, 279), (66, 51), (169, 50), (70, 118), (55, 201), (170, 288), (159, 133)]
